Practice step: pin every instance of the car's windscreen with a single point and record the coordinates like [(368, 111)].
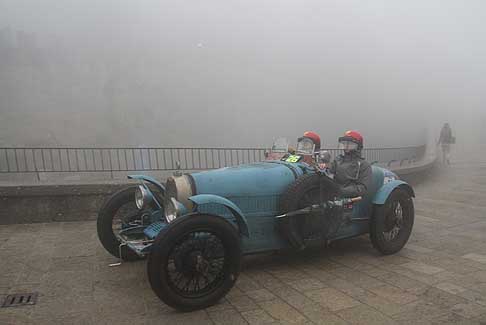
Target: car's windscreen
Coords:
[(280, 145)]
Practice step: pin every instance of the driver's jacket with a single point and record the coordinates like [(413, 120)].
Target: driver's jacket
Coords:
[(352, 173)]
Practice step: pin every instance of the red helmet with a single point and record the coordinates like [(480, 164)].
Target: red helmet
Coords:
[(353, 136), (315, 138)]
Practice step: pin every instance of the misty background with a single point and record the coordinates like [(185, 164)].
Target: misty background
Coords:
[(239, 73)]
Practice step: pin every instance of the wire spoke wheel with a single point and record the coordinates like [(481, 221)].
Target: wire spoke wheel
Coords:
[(117, 213), (194, 261), (196, 264), (392, 222), (126, 216)]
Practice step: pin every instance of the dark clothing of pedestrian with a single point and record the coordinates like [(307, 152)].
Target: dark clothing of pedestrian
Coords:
[(446, 135), (445, 140)]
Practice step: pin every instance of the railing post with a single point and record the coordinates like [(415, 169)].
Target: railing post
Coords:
[(35, 165), (111, 164)]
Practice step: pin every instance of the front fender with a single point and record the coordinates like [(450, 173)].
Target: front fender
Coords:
[(384, 191), (149, 179), (216, 199)]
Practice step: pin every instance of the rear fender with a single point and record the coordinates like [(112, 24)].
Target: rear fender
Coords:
[(385, 191), (216, 199)]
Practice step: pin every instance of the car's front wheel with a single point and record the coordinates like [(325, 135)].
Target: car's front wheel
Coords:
[(194, 262), (116, 213), (392, 222)]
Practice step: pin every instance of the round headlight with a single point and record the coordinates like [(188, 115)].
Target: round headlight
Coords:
[(141, 197), (389, 176), (171, 210)]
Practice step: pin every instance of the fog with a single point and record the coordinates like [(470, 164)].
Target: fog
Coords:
[(238, 73)]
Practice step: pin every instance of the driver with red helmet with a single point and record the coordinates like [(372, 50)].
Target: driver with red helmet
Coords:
[(350, 170)]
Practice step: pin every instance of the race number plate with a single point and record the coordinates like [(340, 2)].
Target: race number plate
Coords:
[(292, 158)]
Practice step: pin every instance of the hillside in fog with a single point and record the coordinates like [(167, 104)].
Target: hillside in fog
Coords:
[(226, 73)]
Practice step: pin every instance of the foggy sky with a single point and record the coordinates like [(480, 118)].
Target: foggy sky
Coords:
[(240, 73)]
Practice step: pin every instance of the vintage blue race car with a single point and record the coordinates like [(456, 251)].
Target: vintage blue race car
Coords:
[(195, 228)]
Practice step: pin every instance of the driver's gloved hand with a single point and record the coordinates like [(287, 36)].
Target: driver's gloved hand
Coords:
[(338, 190), (330, 185)]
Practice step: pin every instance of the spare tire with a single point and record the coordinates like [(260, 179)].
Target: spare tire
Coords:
[(300, 194)]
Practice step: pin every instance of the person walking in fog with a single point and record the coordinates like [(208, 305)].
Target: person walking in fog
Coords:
[(445, 140)]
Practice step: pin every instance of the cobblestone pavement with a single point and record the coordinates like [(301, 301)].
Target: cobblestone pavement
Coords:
[(439, 277)]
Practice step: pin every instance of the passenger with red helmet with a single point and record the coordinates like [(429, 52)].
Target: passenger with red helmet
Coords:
[(315, 138), (350, 170), (308, 145)]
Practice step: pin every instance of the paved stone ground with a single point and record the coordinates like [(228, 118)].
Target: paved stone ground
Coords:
[(440, 277)]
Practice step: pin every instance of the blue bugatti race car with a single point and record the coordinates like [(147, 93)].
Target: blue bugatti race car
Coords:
[(195, 228)]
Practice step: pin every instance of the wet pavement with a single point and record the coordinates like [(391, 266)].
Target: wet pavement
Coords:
[(438, 278)]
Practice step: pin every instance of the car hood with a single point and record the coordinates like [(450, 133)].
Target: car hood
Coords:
[(257, 179)]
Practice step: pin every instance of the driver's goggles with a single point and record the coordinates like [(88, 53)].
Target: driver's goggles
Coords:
[(348, 145)]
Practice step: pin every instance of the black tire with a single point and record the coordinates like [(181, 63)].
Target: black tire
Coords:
[(294, 198), (105, 223), (168, 251), (384, 221)]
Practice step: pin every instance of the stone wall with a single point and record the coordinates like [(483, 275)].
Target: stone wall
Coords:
[(51, 203), (28, 204)]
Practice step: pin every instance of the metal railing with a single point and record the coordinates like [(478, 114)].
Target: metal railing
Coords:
[(92, 160)]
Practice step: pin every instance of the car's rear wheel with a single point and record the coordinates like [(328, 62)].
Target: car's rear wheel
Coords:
[(117, 212), (392, 222), (194, 262)]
